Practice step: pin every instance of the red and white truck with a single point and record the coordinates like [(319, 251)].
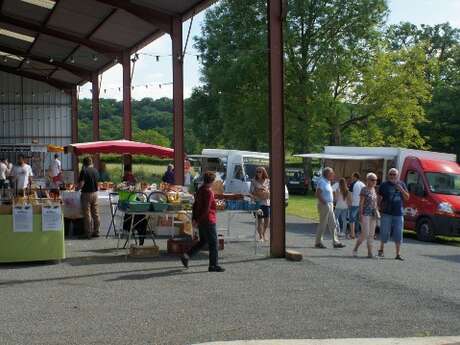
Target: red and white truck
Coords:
[(432, 178)]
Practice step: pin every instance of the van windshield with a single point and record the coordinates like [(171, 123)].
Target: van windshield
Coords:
[(251, 164), (444, 183)]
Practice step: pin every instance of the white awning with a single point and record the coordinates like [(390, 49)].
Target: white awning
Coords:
[(344, 157)]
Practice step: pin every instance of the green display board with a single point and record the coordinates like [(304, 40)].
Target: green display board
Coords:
[(30, 246)]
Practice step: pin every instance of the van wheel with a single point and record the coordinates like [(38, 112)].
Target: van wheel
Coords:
[(425, 230)]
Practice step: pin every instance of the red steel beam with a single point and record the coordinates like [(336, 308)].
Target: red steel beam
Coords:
[(149, 15), (80, 72), (74, 128), (50, 81), (276, 106), (178, 101), (98, 47), (95, 108), (127, 124)]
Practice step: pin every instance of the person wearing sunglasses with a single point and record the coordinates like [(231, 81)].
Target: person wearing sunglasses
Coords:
[(368, 213), (392, 194), (260, 190)]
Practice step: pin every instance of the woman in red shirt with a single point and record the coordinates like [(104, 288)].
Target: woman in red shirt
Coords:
[(204, 216)]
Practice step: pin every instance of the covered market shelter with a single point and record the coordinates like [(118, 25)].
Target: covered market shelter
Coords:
[(50, 47)]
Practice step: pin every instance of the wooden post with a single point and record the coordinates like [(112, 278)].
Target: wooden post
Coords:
[(276, 106), (178, 100), (127, 125)]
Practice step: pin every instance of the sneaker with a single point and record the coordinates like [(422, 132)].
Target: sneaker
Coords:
[(320, 246), (380, 254), (399, 257), (184, 259), (339, 245), (354, 253), (216, 269)]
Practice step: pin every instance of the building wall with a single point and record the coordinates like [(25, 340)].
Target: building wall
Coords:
[(34, 112)]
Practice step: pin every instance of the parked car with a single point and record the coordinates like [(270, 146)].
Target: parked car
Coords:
[(296, 181), (432, 178)]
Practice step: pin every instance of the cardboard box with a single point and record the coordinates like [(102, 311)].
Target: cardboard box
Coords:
[(144, 251)]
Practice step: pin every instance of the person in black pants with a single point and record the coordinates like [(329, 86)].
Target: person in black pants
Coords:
[(204, 216)]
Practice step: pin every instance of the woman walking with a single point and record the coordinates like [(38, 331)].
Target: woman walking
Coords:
[(369, 214), (260, 189), (204, 217), (342, 204)]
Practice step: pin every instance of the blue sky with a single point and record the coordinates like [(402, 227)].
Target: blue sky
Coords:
[(149, 72)]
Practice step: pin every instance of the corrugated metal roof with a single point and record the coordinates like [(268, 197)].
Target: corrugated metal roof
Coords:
[(79, 37)]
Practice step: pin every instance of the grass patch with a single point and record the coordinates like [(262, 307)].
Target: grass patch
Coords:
[(143, 172), (303, 206)]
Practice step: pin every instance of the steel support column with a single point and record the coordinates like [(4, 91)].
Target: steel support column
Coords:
[(178, 100), (276, 106), (127, 125), (74, 128), (95, 108)]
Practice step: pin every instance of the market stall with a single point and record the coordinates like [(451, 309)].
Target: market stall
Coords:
[(31, 219)]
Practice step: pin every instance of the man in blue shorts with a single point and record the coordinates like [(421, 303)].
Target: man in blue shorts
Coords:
[(392, 193)]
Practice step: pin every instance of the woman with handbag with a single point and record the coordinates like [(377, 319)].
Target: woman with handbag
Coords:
[(260, 190), (369, 214)]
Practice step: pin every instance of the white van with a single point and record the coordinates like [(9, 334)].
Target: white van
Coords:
[(235, 168)]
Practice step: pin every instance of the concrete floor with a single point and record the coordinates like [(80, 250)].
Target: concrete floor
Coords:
[(97, 297)]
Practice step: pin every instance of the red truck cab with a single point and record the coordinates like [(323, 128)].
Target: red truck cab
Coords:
[(433, 207)]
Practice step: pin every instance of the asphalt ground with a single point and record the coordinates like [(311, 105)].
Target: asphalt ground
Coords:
[(96, 296)]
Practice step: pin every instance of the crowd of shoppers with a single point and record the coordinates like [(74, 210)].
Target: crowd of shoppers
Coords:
[(356, 209)]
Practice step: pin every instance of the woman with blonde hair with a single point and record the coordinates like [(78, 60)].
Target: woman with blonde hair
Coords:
[(260, 190), (369, 214), (342, 204)]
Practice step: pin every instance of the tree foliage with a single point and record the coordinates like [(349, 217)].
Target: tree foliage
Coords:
[(349, 79)]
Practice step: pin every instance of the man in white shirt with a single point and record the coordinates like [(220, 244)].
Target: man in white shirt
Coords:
[(55, 170), (22, 174), (355, 189), (3, 172)]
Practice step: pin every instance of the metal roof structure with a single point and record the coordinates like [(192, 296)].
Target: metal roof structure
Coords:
[(64, 42)]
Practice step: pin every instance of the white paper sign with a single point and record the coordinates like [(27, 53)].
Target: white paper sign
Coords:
[(51, 218), (23, 218)]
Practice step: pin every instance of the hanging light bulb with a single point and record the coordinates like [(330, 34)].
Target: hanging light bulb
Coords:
[(33, 94), (72, 59), (159, 85), (157, 58), (95, 58), (27, 61), (197, 58), (5, 59), (119, 89), (105, 90), (17, 94), (116, 60), (51, 60)]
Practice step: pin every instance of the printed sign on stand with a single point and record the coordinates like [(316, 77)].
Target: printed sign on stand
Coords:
[(51, 218), (23, 218)]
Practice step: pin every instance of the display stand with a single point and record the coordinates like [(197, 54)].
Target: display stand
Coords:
[(37, 245)]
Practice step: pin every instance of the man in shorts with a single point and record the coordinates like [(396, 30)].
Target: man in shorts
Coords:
[(392, 193)]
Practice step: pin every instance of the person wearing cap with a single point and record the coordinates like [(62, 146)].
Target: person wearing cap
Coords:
[(392, 194)]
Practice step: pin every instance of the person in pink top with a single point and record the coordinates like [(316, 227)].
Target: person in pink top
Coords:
[(204, 217)]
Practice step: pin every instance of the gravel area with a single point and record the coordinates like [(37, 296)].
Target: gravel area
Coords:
[(96, 296)]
